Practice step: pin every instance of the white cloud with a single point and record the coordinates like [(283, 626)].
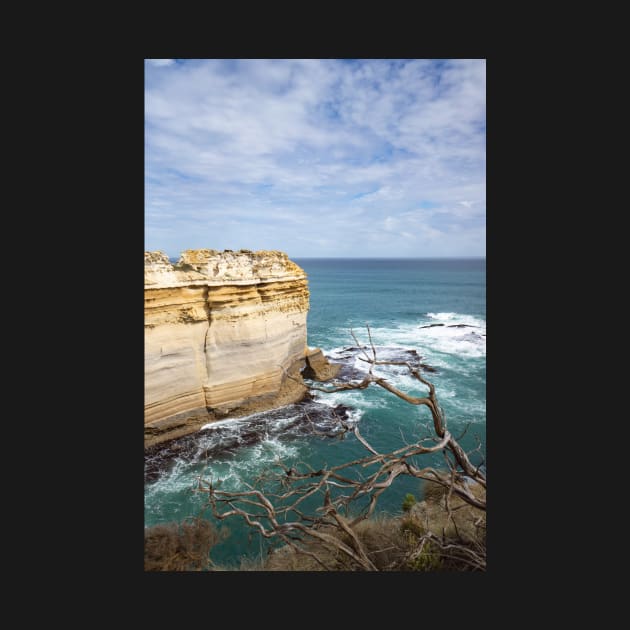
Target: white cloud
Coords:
[(161, 62), (299, 154), (390, 224)]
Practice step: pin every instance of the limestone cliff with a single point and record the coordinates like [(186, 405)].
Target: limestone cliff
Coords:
[(222, 330)]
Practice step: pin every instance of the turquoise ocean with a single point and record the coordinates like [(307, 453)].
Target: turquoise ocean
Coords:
[(431, 311)]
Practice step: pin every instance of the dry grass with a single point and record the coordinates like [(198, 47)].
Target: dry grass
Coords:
[(426, 538), (465, 521), (180, 547), (432, 491)]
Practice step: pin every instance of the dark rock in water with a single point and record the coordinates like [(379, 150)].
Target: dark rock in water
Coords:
[(158, 458), (348, 356), (341, 412), (351, 351), (348, 372), (450, 326), (308, 417)]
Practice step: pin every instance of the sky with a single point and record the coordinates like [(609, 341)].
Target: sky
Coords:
[(316, 157)]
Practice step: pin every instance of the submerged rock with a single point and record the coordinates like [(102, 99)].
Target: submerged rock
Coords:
[(224, 439), (348, 356)]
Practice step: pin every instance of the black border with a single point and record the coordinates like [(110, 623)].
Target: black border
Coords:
[(113, 112)]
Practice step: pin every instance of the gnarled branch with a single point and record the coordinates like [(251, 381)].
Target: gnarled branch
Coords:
[(284, 519)]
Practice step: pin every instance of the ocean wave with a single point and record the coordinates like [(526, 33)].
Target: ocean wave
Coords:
[(465, 336), (429, 343), (231, 472), (227, 440), (354, 398), (451, 349), (456, 318), (468, 345)]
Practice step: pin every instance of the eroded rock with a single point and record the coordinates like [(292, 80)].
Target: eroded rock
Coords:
[(225, 336)]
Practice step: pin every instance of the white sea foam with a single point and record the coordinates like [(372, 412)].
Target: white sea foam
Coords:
[(448, 342), (231, 473), (251, 461), (342, 352), (448, 347), (459, 335), (236, 450), (176, 480), (354, 416), (280, 423), (237, 422), (466, 341), (349, 398), (220, 423), (357, 400), (457, 318)]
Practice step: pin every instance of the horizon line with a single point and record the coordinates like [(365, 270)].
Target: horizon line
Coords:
[(382, 257), (390, 257)]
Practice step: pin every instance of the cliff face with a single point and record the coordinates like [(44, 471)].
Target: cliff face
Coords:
[(221, 329)]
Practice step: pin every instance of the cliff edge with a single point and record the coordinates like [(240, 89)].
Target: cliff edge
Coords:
[(222, 331)]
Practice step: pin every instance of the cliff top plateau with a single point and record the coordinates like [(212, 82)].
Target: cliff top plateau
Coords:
[(210, 267)]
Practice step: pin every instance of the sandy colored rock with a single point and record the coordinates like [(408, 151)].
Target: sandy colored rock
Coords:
[(317, 366), (222, 330)]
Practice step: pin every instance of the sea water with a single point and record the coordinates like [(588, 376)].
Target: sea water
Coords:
[(435, 307)]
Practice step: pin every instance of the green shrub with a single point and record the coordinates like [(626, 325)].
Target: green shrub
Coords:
[(412, 528), (428, 560), (408, 501)]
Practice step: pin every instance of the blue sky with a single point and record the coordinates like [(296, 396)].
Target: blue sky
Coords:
[(316, 157)]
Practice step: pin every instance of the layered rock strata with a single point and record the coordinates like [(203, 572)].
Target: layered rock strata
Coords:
[(225, 336)]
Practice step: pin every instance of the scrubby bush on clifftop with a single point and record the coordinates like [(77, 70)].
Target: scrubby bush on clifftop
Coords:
[(180, 547)]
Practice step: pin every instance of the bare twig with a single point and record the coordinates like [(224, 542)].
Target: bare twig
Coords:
[(284, 518)]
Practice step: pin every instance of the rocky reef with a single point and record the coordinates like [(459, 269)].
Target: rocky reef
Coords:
[(225, 336)]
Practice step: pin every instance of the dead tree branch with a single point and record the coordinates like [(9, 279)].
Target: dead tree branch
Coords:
[(340, 487)]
